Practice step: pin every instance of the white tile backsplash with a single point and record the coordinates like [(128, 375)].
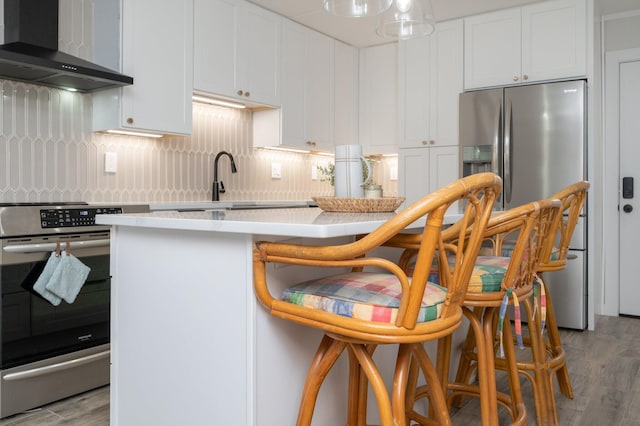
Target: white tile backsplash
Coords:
[(47, 152)]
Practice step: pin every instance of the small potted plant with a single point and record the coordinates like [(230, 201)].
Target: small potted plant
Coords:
[(327, 173)]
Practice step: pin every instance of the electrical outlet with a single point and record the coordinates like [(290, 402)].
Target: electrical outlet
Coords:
[(393, 173), (110, 162), (314, 172), (276, 170)]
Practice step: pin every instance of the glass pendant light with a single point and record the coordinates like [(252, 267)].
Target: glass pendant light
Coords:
[(406, 19), (356, 8)]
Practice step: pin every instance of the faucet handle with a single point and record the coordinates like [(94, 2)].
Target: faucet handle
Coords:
[(222, 190)]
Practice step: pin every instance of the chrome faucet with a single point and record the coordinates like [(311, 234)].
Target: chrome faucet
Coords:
[(218, 187)]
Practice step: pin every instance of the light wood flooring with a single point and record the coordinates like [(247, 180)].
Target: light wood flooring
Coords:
[(604, 366)]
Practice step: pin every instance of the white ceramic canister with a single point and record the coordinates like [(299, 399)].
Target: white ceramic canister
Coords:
[(349, 177)]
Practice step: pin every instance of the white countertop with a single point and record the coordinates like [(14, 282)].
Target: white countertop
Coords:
[(293, 222)]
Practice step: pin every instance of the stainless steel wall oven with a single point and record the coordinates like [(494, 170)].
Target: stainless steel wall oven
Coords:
[(51, 352)]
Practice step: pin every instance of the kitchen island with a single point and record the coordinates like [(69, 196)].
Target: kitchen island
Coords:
[(189, 342)]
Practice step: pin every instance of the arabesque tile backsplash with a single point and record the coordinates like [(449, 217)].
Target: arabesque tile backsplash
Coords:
[(48, 153)]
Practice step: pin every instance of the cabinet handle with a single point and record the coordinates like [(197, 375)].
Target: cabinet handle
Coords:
[(247, 94), (240, 92), (525, 77), (432, 142), (129, 120), (310, 143), (424, 142), (515, 78)]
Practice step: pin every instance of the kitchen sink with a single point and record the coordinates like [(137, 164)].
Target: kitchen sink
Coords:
[(231, 205), (248, 205)]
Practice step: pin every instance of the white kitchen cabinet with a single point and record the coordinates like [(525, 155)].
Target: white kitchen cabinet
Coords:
[(430, 78), (543, 41), (345, 94), (378, 99), (423, 170), (237, 51), (554, 37), (157, 51), (307, 98)]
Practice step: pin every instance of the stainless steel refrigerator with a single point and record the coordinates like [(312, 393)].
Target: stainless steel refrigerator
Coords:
[(534, 137)]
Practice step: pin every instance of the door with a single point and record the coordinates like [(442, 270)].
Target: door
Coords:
[(544, 148), (481, 133), (629, 208)]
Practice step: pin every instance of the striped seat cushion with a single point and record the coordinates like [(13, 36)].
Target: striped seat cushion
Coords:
[(487, 274), (507, 250), (362, 295)]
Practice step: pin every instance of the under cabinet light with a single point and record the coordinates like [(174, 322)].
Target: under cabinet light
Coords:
[(280, 148), (131, 133), (218, 102), (326, 153)]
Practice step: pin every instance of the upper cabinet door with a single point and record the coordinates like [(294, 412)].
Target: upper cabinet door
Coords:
[(542, 41), (318, 91), (554, 38), (345, 94), (293, 84), (414, 86), (237, 51), (492, 49), (214, 46), (446, 82), (259, 41), (157, 51), (378, 113), (307, 88), (430, 80)]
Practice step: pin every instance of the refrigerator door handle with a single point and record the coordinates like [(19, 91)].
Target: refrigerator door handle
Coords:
[(507, 152), (495, 167)]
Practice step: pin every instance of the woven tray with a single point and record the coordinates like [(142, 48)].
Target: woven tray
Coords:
[(359, 205)]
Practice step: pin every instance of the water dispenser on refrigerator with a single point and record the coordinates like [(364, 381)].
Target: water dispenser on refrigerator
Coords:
[(477, 159)]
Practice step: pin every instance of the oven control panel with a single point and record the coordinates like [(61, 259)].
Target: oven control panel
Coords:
[(75, 217)]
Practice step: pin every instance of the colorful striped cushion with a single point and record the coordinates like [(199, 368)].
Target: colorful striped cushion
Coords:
[(487, 274), (362, 295), (507, 249)]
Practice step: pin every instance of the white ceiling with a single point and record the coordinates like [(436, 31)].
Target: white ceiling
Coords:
[(361, 32)]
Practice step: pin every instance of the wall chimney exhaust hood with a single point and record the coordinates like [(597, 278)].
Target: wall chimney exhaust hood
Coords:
[(30, 51)]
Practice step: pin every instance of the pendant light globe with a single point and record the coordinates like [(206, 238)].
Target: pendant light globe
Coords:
[(406, 19), (356, 8)]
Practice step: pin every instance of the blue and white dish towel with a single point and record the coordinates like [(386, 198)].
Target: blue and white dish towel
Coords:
[(62, 278)]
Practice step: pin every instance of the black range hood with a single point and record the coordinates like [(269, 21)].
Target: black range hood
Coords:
[(30, 51)]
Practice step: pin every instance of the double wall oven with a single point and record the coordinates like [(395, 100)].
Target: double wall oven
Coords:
[(51, 352)]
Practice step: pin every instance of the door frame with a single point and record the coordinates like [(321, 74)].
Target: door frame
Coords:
[(610, 303)]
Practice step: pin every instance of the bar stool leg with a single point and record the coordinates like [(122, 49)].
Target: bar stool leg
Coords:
[(437, 402), (480, 337), (377, 384), (516, 406), (556, 352), (357, 394), (465, 365), (324, 359), (543, 391)]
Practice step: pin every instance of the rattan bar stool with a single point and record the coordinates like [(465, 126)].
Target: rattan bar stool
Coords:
[(376, 303), (555, 254), (496, 280)]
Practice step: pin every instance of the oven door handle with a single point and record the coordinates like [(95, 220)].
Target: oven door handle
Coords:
[(49, 247), (41, 371)]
